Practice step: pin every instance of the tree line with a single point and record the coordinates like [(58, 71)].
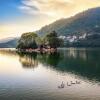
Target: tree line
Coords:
[(33, 41)]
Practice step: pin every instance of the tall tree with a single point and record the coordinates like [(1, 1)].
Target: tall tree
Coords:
[(52, 40), (27, 40)]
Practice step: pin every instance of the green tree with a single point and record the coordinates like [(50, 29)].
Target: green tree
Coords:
[(28, 40), (52, 40)]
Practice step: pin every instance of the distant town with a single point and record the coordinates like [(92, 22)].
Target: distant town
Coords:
[(73, 38)]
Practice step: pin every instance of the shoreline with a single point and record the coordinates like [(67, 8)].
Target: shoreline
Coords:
[(52, 50)]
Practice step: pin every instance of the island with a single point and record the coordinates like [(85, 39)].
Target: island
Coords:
[(31, 42)]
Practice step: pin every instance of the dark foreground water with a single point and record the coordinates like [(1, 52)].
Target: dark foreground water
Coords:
[(37, 76)]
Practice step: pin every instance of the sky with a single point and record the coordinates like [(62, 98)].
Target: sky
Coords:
[(20, 16)]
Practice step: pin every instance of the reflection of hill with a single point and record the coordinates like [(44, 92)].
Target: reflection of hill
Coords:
[(28, 61), (84, 63)]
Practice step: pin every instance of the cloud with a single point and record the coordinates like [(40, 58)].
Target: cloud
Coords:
[(57, 8), (16, 28), (52, 8), (41, 12)]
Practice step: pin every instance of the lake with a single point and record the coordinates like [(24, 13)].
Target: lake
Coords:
[(37, 76)]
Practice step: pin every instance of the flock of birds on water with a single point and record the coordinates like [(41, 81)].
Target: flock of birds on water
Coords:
[(71, 83)]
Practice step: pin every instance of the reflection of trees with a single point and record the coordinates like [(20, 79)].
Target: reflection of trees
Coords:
[(51, 59), (28, 60)]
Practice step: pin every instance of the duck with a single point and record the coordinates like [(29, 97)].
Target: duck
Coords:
[(78, 82), (72, 82), (62, 85), (68, 84)]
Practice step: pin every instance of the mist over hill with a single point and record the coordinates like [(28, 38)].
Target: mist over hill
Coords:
[(9, 43)]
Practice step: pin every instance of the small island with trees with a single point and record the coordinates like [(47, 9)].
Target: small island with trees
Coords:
[(31, 42)]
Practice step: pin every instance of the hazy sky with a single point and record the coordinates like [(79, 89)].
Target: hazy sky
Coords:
[(18, 16)]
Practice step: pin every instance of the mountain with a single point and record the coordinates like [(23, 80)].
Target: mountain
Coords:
[(85, 22), (9, 43)]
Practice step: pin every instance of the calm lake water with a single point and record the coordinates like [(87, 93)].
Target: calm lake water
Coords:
[(37, 76)]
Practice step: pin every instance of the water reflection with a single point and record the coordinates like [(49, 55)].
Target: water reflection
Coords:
[(51, 59), (28, 60), (82, 62)]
